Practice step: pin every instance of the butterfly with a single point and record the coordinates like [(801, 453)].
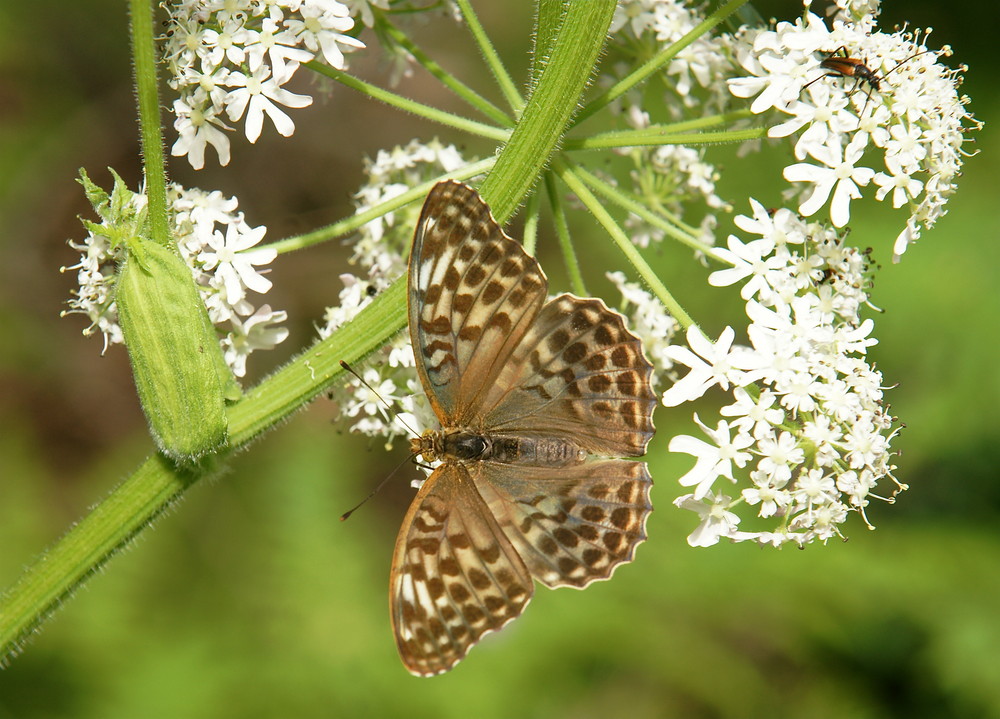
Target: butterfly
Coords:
[(535, 399)]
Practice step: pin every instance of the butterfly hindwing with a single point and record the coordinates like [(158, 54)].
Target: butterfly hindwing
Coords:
[(570, 525), (455, 575)]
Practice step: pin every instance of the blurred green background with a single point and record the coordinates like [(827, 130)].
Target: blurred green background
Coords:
[(252, 600)]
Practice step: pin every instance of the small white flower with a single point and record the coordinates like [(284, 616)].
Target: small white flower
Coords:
[(363, 8), (757, 417), (196, 128), (716, 519), (322, 29), (898, 181), (371, 396), (840, 176), (769, 493), (713, 460), (259, 94), (779, 457), (711, 364), (753, 259), (279, 47), (257, 332), (232, 260)]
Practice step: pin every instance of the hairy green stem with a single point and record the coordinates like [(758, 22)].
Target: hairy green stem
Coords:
[(551, 106), (562, 232), (355, 222), (148, 98), (531, 218), (493, 62), (462, 90), (659, 136), (681, 234)]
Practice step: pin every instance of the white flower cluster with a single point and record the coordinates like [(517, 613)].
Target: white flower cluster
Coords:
[(230, 59), (101, 252), (806, 439), (856, 97), (673, 178), (223, 261), (696, 75), (380, 252)]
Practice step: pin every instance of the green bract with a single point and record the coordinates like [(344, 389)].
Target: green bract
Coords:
[(173, 347)]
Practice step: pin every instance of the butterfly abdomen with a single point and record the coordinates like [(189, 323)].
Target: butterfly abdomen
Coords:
[(507, 449)]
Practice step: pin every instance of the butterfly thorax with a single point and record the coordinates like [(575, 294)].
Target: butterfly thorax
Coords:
[(467, 445)]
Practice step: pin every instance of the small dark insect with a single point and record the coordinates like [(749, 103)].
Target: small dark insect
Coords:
[(841, 64)]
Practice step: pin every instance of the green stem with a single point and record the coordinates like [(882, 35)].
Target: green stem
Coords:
[(574, 54), (316, 369), (657, 135), (448, 119), (133, 505), (569, 176), (496, 66), (531, 218), (658, 61), (562, 232), (355, 222), (147, 94), (642, 211), (447, 79), (550, 17)]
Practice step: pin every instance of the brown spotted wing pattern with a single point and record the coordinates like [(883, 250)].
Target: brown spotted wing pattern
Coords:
[(535, 401)]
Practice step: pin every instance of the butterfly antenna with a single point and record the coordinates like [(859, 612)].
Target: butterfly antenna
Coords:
[(395, 412), (375, 491)]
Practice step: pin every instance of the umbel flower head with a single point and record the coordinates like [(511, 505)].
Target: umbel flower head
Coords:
[(803, 441), (218, 246), (806, 437), (230, 61), (866, 108)]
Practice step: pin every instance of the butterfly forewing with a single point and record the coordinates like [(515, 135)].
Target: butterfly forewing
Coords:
[(473, 293), (525, 391), (455, 575)]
